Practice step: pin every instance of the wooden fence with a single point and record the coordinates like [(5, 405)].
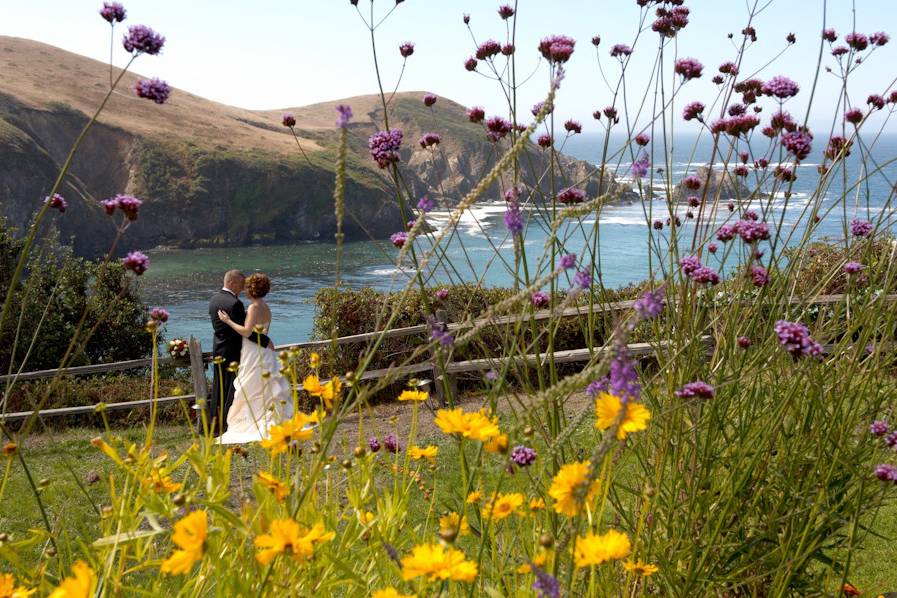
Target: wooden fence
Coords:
[(198, 360)]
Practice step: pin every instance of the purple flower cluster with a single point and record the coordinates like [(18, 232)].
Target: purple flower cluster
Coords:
[(573, 127), (689, 68), (879, 428), (344, 115), (545, 585), (514, 218), (557, 48), (759, 276), (476, 114), (571, 195), (583, 279), (693, 111), (385, 146), (620, 50), (860, 228), (373, 444), (891, 439), (799, 143), (288, 120), (692, 267), (128, 204), (796, 339), (399, 239), (497, 128), (56, 202), (642, 139), (523, 456), (780, 87), (488, 49), (743, 342), (854, 116), (670, 21), (692, 182), (429, 140), (113, 12), (749, 230), (470, 64), (853, 267), (544, 140), (540, 299), (406, 49), (391, 443), (568, 261), (640, 167), (505, 12), (143, 40), (649, 305), (159, 314), (439, 332), (879, 38), (696, 389), (741, 124), (430, 99), (425, 204), (621, 381), (152, 89), (137, 262), (886, 472), (857, 41), (442, 294)]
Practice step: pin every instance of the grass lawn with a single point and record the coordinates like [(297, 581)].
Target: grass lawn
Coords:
[(57, 459)]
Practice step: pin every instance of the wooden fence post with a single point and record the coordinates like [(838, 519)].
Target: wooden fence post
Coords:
[(198, 375), (439, 364)]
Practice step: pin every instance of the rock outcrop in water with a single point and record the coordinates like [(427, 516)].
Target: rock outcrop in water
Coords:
[(216, 175)]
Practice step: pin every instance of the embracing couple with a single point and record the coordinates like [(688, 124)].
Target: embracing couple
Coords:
[(249, 394)]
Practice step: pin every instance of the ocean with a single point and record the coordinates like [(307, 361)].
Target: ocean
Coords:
[(481, 250)]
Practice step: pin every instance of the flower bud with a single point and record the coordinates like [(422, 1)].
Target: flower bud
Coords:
[(546, 540)]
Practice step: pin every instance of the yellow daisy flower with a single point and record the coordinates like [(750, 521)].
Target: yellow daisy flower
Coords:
[(473, 426), (453, 522), (640, 568), (429, 452), (391, 592), (286, 536), (280, 437), (312, 385), (607, 408), (435, 562), (593, 549), (364, 517), (536, 504), (279, 489), (502, 505), (159, 482), (330, 391), (414, 395), (82, 585), (314, 360), (498, 444), (8, 587), (539, 560), (474, 497), (565, 488), (189, 536)]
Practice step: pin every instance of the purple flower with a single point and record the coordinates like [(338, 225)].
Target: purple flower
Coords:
[(143, 40), (689, 264), (891, 439), (878, 428), (406, 49), (540, 299), (621, 381), (507, 49), (442, 294), (860, 228), (640, 167), (693, 111), (129, 205), (571, 195), (642, 139), (704, 275), (649, 305), (853, 267), (373, 444), (743, 342), (476, 114), (439, 332), (152, 89), (689, 68), (344, 115), (544, 140), (692, 182), (545, 585), (886, 472), (879, 39), (425, 204), (798, 143), (466, 19), (391, 443), (759, 276), (796, 339), (712, 247), (137, 262), (491, 375), (729, 68), (620, 50), (159, 314), (780, 87), (514, 219), (430, 99), (470, 64), (488, 49), (854, 116), (750, 231), (876, 101), (399, 239), (498, 126), (857, 41), (557, 48), (568, 261), (696, 389), (57, 202), (583, 279), (829, 35), (505, 12), (113, 12), (573, 126), (288, 119), (429, 140), (657, 225), (385, 145), (523, 456)]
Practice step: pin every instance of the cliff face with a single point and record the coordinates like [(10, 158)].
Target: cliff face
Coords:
[(216, 175)]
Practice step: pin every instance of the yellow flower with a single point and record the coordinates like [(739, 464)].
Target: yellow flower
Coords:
[(566, 488), (8, 587), (593, 549), (536, 504), (414, 395), (286, 536), (312, 385), (640, 568), (391, 592), (107, 450), (475, 426), (498, 444), (364, 517), (453, 522), (270, 482), (429, 452), (314, 360), (539, 560), (280, 437), (474, 497), (330, 391), (438, 563), (81, 585), (502, 505), (607, 408), (189, 535), (159, 482)]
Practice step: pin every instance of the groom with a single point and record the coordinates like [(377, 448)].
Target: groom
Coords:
[(227, 345)]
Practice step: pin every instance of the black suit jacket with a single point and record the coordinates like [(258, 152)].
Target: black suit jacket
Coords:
[(227, 342)]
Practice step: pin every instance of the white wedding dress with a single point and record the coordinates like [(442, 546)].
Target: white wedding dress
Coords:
[(260, 401)]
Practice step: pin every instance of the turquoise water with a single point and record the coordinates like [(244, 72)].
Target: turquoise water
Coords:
[(481, 250)]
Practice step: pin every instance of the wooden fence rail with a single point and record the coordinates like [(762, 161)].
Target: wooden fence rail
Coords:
[(199, 360)]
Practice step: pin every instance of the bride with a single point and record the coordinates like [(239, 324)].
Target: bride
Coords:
[(262, 396)]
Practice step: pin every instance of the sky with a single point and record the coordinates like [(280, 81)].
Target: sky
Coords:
[(271, 54)]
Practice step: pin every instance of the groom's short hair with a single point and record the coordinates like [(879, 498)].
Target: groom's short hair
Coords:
[(233, 276)]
